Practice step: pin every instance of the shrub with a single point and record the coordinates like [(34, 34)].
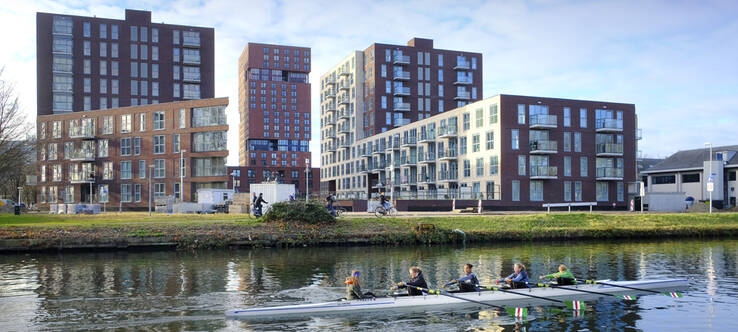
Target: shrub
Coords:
[(298, 212)]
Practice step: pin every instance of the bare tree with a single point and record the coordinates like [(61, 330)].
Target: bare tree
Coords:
[(16, 141)]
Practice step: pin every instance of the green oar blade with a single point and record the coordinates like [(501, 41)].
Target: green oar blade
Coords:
[(575, 305), (517, 312), (675, 295), (627, 297)]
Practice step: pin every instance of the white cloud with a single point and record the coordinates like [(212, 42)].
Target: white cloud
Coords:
[(675, 61)]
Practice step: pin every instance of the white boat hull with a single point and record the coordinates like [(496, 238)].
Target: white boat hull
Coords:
[(498, 298)]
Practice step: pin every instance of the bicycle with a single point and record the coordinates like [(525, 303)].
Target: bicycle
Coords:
[(380, 211), (339, 210)]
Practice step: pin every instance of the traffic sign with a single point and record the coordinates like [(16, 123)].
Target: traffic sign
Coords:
[(710, 186)]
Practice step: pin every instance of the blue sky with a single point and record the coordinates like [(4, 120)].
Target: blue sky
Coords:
[(677, 61)]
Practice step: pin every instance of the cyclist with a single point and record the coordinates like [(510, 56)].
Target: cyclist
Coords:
[(330, 201), (383, 201)]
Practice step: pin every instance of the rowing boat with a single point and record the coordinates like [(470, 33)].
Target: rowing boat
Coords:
[(399, 302)]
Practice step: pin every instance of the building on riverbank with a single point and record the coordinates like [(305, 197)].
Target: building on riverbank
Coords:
[(684, 172), (110, 156), (275, 120), (385, 87), (513, 152), (91, 63)]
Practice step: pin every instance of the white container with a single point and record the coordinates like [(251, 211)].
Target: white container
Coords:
[(273, 192), (213, 196)]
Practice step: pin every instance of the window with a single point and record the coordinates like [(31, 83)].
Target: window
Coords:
[(102, 149), (141, 121), (462, 145), (137, 146), (536, 190), (577, 142), (125, 123), (103, 31), (475, 143), (103, 49), (108, 170), (144, 34), (160, 190), (87, 66), (158, 120), (521, 165), (125, 146), (142, 169), (209, 166), (601, 191), (137, 192), (86, 29), (125, 170), (114, 51), (467, 168), (583, 118), (578, 191), (466, 120), (621, 191), (125, 192), (490, 140), (159, 144), (567, 191), (102, 193), (689, 178), (567, 120), (134, 89), (114, 69), (516, 190), (86, 48), (159, 169), (154, 35), (663, 179), (521, 113), (567, 141), (114, 31), (108, 125), (514, 133), (480, 166), (480, 117), (567, 165), (583, 167), (209, 116), (176, 90), (191, 91), (209, 141)]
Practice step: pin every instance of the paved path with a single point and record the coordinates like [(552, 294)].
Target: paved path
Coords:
[(419, 214)]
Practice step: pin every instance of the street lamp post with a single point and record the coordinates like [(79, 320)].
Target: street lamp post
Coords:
[(20, 196), (182, 168), (151, 174), (710, 176), (307, 180)]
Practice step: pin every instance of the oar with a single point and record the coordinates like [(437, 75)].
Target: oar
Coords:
[(669, 294), (624, 297), (517, 312), (574, 305)]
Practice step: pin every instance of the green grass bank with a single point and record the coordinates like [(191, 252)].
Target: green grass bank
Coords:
[(133, 230)]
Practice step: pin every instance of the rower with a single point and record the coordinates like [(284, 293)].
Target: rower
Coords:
[(468, 283), (416, 280), (519, 279), (563, 277), (353, 286)]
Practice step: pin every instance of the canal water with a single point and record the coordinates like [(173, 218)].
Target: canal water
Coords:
[(168, 290)]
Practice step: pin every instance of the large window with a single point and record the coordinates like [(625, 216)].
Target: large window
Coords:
[(690, 178), (160, 190), (583, 118), (102, 148), (493, 114), (577, 142), (536, 190), (159, 144), (158, 120), (102, 193), (479, 117), (125, 123), (467, 168), (578, 191), (601, 191), (515, 138), (490, 140), (567, 191), (521, 165), (210, 141), (108, 170), (567, 122), (159, 168), (208, 116), (125, 146), (480, 166), (142, 169), (583, 169), (465, 120), (567, 165), (126, 172), (494, 165), (521, 113), (191, 91), (209, 166), (476, 146), (663, 179), (108, 123), (125, 192), (191, 38), (516, 190)]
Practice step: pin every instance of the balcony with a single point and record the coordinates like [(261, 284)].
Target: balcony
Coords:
[(449, 154), (82, 155), (191, 42), (402, 107), (344, 145), (343, 100), (608, 125), (398, 122), (609, 174), (609, 150), (330, 134), (379, 151), (330, 94), (448, 176), (83, 133), (330, 80), (344, 130), (451, 132), (330, 107), (343, 115), (399, 59), (409, 141), (401, 91), (343, 85), (544, 147), (395, 145), (463, 80), (543, 172), (331, 148), (427, 139), (409, 182), (400, 75), (409, 161), (191, 59), (428, 159), (344, 71), (543, 121), (80, 177), (462, 65), (463, 95), (330, 121)]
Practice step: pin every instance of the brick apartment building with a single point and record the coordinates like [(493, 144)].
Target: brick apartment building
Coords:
[(111, 156), (385, 87), (510, 151), (91, 63), (275, 121)]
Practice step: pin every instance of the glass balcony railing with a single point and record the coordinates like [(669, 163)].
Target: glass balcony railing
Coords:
[(462, 64), (463, 95), (545, 146), (401, 59), (401, 122), (609, 125), (402, 91), (402, 106), (543, 171), (463, 80), (543, 121), (609, 173), (448, 176), (610, 148), (401, 75), (447, 154)]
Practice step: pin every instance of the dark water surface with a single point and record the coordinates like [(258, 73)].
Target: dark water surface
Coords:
[(191, 290)]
